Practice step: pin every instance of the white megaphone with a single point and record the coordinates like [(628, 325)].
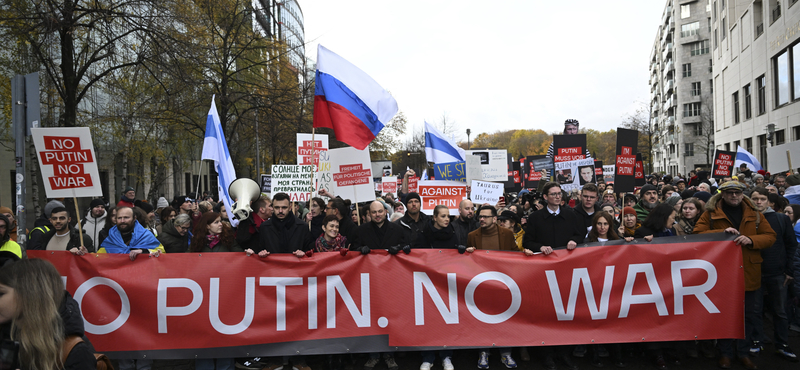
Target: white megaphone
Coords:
[(244, 191)]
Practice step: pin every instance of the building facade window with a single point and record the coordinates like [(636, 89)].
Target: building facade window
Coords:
[(686, 11), (687, 70), (699, 48), (723, 30), (688, 149), (782, 77), (695, 88), (780, 137), (761, 84), (762, 150), (748, 144), (776, 11), (697, 129), (736, 107), (727, 147), (796, 133), (691, 109), (689, 29), (796, 70), (748, 109)]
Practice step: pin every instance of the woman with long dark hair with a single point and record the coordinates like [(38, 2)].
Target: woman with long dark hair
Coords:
[(211, 235), (602, 228), (691, 210), (42, 315), (315, 216), (660, 222)]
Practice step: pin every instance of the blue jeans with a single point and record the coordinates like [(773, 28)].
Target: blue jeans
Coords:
[(776, 295), (430, 356), (208, 364)]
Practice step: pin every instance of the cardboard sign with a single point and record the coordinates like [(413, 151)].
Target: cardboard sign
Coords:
[(473, 168), (779, 157), (304, 153), (436, 192), (598, 169), (389, 185), (351, 174), (266, 183), (453, 171), (67, 162), (625, 161), (494, 166), (294, 180), (574, 174), (723, 164), (486, 192)]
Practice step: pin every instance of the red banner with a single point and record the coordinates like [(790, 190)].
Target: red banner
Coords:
[(227, 304)]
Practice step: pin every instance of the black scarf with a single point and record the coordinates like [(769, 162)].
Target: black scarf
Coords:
[(282, 227), (734, 214)]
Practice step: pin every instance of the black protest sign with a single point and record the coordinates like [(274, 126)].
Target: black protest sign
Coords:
[(569, 147), (598, 170), (723, 164), (625, 161), (639, 171), (534, 165)]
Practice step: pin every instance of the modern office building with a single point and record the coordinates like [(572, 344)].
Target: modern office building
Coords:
[(680, 87), (282, 20), (756, 53)]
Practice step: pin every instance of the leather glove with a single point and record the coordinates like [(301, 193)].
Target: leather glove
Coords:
[(343, 252), (309, 253), (462, 249), (394, 249), (365, 250), (407, 249)]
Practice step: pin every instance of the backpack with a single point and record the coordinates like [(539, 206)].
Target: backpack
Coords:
[(103, 363)]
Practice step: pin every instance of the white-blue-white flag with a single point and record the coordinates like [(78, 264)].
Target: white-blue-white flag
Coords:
[(440, 149), (743, 156), (216, 148)]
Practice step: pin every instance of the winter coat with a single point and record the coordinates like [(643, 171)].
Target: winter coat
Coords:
[(440, 238), (778, 258), (93, 226), (294, 237), (753, 226), (316, 226), (684, 227), (348, 228), (74, 240), (82, 355), (247, 233), (40, 227), (584, 217), (463, 228), (413, 230), (641, 210), (544, 228), (368, 235), (172, 240), (222, 247), (505, 239), (643, 231)]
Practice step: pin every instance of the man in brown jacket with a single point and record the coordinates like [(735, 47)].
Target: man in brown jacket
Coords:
[(731, 212), (490, 235)]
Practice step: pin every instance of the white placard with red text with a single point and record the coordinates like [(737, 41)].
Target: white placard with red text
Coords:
[(67, 162), (436, 192), (388, 185), (350, 174)]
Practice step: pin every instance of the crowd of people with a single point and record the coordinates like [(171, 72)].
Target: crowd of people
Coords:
[(749, 205)]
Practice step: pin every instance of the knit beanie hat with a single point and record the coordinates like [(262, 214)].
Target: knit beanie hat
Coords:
[(50, 206), (411, 196), (97, 202), (628, 211), (162, 203)]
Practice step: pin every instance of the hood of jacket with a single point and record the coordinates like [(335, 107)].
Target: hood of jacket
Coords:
[(715, 202), (70, 314)]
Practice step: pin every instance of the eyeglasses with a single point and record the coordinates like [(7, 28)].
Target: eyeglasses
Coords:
[(186, 228), (554, 194), (734, 193)]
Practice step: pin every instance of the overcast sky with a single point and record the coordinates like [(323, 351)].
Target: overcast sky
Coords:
[(496, 65)]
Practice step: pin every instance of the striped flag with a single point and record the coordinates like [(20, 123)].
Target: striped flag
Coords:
[(439, 148), (743, 156), (216, 148)]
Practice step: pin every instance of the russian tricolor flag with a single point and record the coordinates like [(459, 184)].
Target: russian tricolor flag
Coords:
[(349, 101)]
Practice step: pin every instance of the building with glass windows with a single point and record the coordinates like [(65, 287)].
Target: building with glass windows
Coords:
[(681, 101), (756, 56), (282, 20)]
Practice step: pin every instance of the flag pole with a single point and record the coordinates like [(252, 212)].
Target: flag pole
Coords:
[(313, 172), (199, 180)]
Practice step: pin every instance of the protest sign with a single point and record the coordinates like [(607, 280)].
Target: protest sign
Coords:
[(574, 174), (304, 153), (389, 185), (453, 171), (266, 183), (783, 157), (723, 164), (351, 174), (625, 161), (436, 192), (608, 173), (494, 164), (381, 169), (639, 171), (473, 168), (67, 162), (179, 306), (486, 192), (413, 184), (569, 147), (514, 182), (294, 180), (598, 170), (535, 164)]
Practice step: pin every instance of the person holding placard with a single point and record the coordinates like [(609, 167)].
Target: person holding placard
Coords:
[(61, 237)]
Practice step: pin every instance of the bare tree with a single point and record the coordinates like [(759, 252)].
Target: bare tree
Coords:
[(704, 135), (641, 121)]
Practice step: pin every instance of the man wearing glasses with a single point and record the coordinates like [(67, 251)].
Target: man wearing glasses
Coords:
[(731, 212), (175, 235), (554, 227)]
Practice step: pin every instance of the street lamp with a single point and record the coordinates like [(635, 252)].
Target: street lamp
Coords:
[(469, 144)]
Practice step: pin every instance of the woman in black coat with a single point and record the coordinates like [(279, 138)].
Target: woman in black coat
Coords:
[(439, 233), (660, 222)]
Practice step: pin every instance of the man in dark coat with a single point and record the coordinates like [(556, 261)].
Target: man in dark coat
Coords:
[(62, 237), (247, 233), (379, 233), (414, 221), (466, 222), (588, 206), (554, 226), (283, 232)]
